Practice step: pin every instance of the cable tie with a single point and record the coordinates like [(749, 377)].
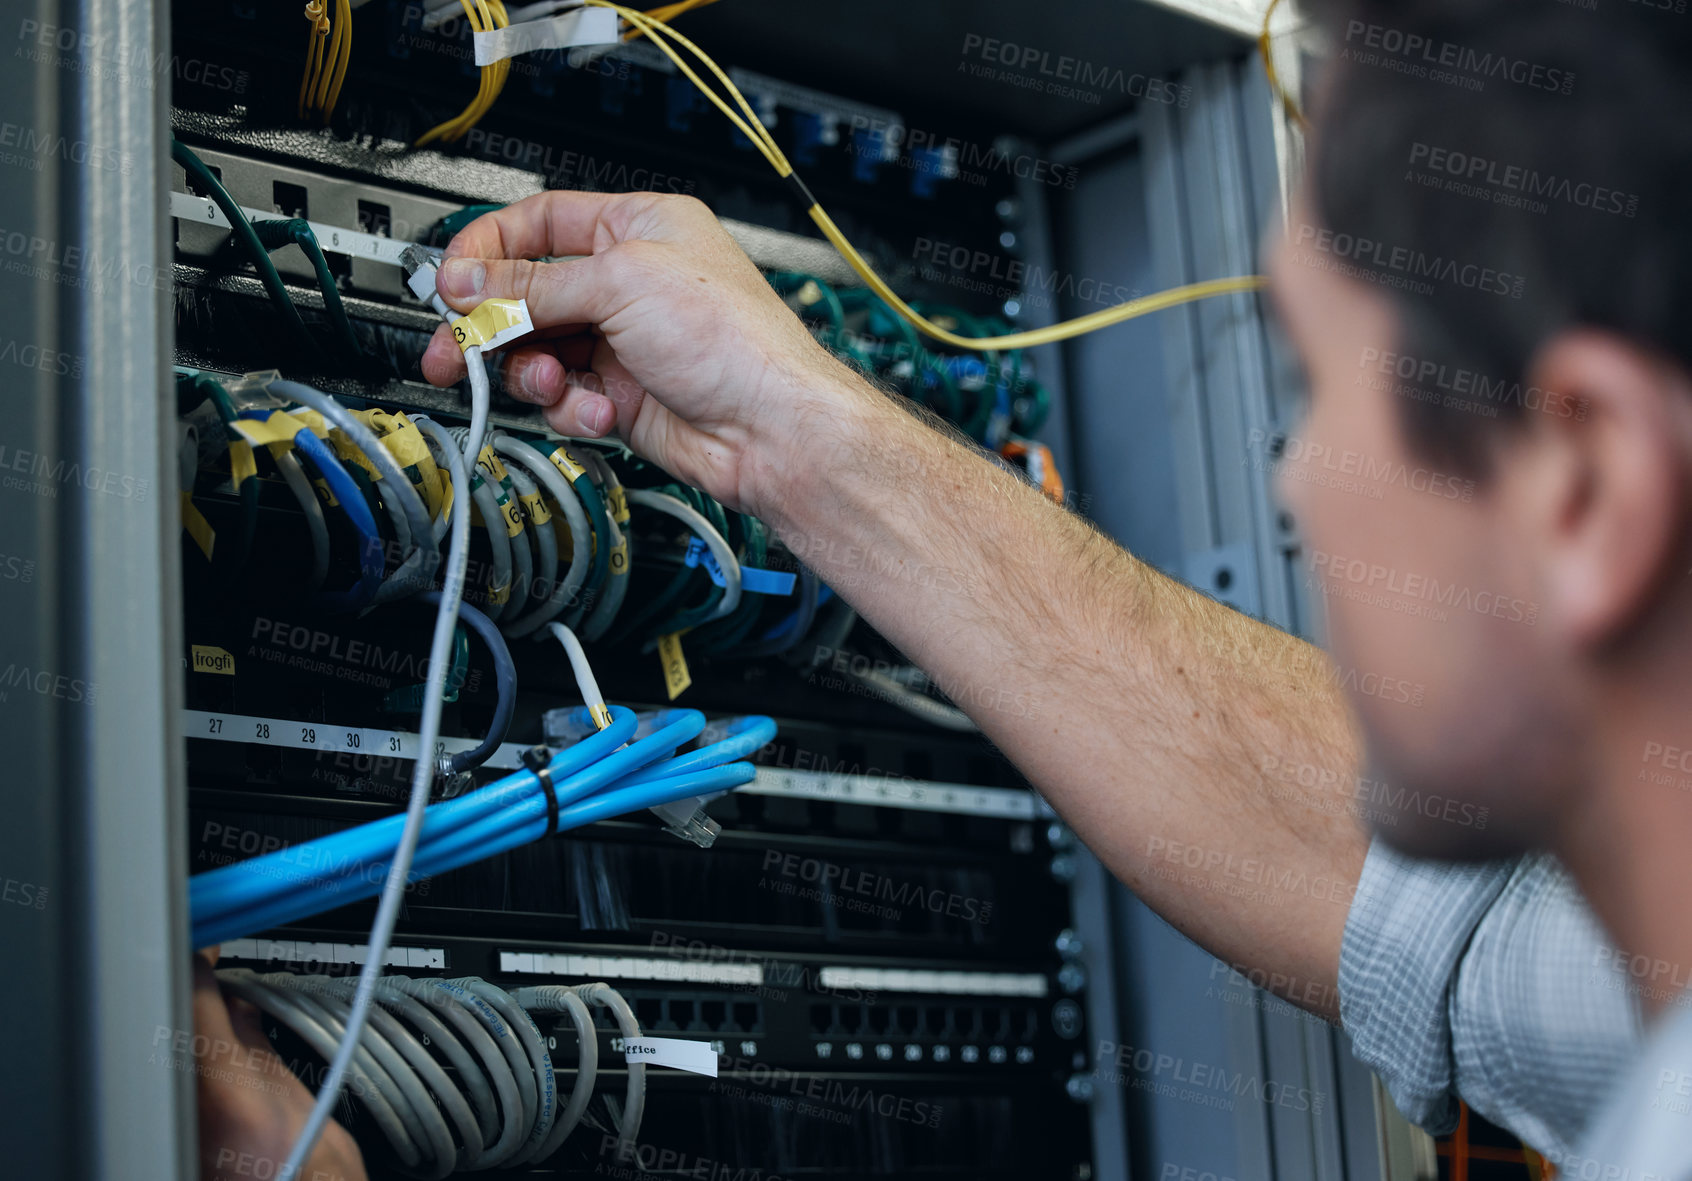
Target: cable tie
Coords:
[(538, 760)]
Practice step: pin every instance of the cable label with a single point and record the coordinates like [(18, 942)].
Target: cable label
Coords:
[(674, 664), (242, 466), (274, 428), (197, 526), (566, 463), (513, 515), (590, 26), (351, 452), (489, 463), (674, 1052), (619, 559), (211, 659), (493, 323), (535, 508), (617, 502)]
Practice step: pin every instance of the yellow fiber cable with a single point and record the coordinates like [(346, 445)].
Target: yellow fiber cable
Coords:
[(343, 17), (483, 16), (1288, 103), (760, 137), (315, 36), (445, 131), (667, 12), (320, 89)]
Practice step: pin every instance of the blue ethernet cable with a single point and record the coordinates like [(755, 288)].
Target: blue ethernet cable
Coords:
[(598, 782), (359, 595), (230, 887), (300, 904)]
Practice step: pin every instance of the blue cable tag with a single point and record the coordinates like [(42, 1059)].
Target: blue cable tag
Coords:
[(752, 580)]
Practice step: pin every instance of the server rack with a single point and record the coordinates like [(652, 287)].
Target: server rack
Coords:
[(1208, 172)]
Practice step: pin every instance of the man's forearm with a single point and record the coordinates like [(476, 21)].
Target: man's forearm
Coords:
[(1208, 759)]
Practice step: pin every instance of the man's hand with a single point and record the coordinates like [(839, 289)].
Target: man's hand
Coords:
[(664, 331), (1162, 725), (251, 1107)]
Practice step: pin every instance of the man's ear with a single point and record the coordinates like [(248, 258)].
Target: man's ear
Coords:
[(1599, 482)]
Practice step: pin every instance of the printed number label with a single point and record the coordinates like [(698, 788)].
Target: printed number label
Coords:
[(393, 742), (354, 739), (216, 726), (307, 734), (261, 730)]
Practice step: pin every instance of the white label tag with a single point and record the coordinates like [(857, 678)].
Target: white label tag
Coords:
[(585, 26), (674, 1052)]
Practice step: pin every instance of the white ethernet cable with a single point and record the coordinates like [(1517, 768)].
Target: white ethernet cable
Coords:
[(591, 696), (422, 777), (421, 266), (703, 529), (552, 998), (634, 1107)]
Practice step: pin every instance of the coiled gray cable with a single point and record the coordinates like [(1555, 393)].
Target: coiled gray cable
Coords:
[(556, 999), (417, 571), (294, 476), (564, 592), (529, 1035), (634, 1107), (500, 1128), (387, 1067), (545, 542), (616, 581), (337, 995), (311, 1031)]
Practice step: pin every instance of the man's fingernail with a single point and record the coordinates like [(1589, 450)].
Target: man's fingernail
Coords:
[(538, 376), (596, 417), (461, 278)]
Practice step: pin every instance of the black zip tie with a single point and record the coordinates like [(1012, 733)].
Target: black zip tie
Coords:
[(538, 760)]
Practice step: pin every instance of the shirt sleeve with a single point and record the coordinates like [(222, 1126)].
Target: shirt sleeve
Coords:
[(1489, 982)]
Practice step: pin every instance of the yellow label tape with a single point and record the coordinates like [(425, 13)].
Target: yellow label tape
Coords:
[(674, 664), (318, 424), (564, 462), (405, 443), (513, 514), (326, 492), (209, 659), (278, 428), (197, 526), (617, 502), (601, 715), (351, 452), (620, 558), (535, 509), (242, 466), (498, 595), (493, 323), (489, 462)]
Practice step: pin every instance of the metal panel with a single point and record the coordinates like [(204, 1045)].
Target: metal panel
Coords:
[(1212, 179), (94, 810)]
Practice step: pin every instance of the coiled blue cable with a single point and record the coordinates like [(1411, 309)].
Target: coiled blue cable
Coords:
[(231, 887), (593, 780)]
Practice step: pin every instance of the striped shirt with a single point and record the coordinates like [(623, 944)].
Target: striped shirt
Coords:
[(1491, 982)]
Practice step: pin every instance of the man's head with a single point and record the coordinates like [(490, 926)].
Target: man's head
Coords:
[(1490, 280)]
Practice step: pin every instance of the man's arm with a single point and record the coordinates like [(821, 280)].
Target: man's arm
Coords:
[(1203, 756)]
